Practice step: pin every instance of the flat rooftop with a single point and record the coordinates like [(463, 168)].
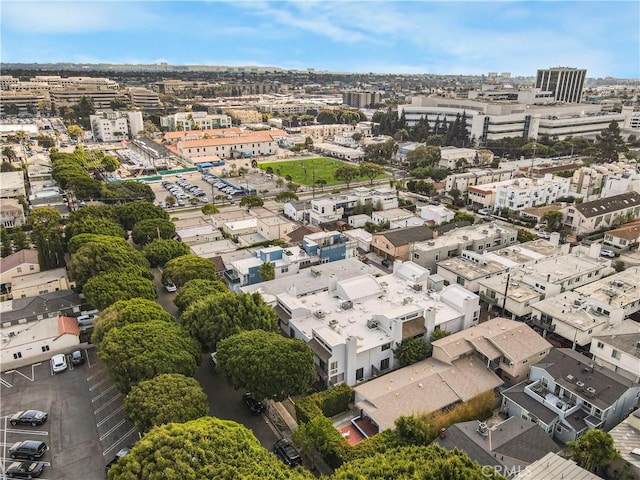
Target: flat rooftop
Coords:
[(573, 309), (465, 234), (618, 290), (471, 270)]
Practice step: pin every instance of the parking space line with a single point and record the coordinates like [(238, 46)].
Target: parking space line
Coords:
[(22, 374), (100, 395), (110, 416), (28, 432), (96, 385), (5, 383), (113, 429), (86, 354), (113, 446), (99, 409), (9, 459)]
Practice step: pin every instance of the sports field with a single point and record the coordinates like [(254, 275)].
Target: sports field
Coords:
[(305, 171)]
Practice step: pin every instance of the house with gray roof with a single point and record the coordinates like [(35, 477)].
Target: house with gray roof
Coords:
[(27, 309), (604, 213), (626, 439), (553, 466), (567, 394), (511, 445), (618, 349)]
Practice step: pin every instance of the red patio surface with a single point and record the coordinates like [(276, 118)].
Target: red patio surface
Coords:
[(351, 434), (367, 426)]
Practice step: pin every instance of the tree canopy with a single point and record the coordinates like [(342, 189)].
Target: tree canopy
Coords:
[(267, 364), (593, 450), (106, 288), (553, 219), (96, 257), (346, 174), (286, 196), (160, 251), (124, 312), (96, 225), (371, 171), (412, 350), (219, 316), (167, 398), (129, 214), (204, 448), (413, 462), (142, 351), (195, 290), (251, 201), (609, 144), (188, 267), (150, 229), (47, 237), (267, 271), (77, 241)]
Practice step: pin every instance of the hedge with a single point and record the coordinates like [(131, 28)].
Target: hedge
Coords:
[(328, 403)]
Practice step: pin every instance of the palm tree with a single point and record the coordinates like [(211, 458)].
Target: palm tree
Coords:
[(9, 153)]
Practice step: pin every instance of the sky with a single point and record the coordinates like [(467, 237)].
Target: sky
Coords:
[(424, 37)]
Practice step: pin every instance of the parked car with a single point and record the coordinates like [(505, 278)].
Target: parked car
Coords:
[(121, 453), (170, 287), (607, 253), (77, 358), (29, 449), (86, 320), (29, 417), (287, 452), (255, 406), (24, 469), (544, 235), (58, 363)]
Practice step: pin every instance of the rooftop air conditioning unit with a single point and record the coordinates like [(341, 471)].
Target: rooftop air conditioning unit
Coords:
[(580, 384), (591, 391), (372, 324), (347, 305), (417, 287)]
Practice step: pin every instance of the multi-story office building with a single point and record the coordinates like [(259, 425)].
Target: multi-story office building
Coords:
[(565, 83), (112, 126), (144, 98)]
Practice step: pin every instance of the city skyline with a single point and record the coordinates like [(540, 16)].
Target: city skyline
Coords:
[(466, 38)]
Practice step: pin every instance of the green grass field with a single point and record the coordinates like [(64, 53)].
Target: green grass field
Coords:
[(304, 171)]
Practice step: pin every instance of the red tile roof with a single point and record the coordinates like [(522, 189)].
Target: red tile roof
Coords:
[(67, 325)]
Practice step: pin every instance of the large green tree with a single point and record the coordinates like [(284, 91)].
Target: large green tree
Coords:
[(219, 316), (267, 271), (20, 239), (267, 364), (47, 237), (167, 398), (95, 225), (609, 144), (106, 288), (416, 462), (159, 252), (553, 220), (188, 267), (196, 289), (129, 214), (77, 241), (371, 171), (251, 201), (124, 312), (346, 174), (146, 231), (5, 243), (412, 350), (593, 450), (206, 448), (141, 351), (96, 257)]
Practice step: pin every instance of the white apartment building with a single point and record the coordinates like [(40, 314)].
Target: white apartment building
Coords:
[(588, 217), (354, 327), (333, 208), (618, 349), (113, 126), (474, 177), (451, 156), (604, 180), (520, 193), (182, 121), (12, 184), (435, 213), (484, 237)]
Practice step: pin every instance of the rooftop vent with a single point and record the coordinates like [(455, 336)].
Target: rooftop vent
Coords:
[(372, 324), (347, 305), (417, 287), (591, 391), (570, 377), (483, 429), (318, 314)]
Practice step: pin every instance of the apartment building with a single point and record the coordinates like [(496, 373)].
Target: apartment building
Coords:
[(337, 207), (484, 237), (604, 180), (588, 217), (452, 158), (354, 326), (618, 349), (16, 264), (326, 132), (474, 177), (624, 237), (244, 145), (520, 193), (40, 282), (113, 126), (566, 396), (361, 98), (183, 121)]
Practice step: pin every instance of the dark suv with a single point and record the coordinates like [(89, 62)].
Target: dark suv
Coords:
[(30, 449), (287, 452), (255, 406)]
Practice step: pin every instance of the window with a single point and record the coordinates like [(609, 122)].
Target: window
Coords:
[(45, 348), (386, 346), (359, 374), (284, 269), (333, 368), (17, 355), (19, 269), (615, 354), (384, 364), (31, 267), (600, 345)]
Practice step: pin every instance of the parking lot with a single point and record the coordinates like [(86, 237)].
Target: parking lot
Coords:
[(85, 427)]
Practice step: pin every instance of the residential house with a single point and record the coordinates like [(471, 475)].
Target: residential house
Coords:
[(29, 309), (355, 325), (16, 264), (296, 236), (328, 246), (357, 221), (475, 176), (553, 466), (566, 395), (396, 244), (436, 214), (507, 347), (298, 210), (618, 349), (626, 440), (397, 218), (507, 447), (275, 227), (362, 238), (236, 228), (332, 208), (623, 238), (12, 184), (197, 235), (11, 213), (602, 214), (38, 283)]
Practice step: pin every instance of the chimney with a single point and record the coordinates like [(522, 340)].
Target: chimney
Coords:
[(443, 433), (396, 266), (594, 250), (430, 320)]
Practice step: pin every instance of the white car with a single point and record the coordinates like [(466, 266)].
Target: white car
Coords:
[(544, 235), (170, 287), (58, 363), (607, 253)]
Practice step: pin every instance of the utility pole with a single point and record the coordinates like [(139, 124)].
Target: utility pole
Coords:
[(506, 292), (533, 156)]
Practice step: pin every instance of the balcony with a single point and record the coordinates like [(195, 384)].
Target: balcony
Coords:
[(487, 299), (232, 277), (562, 406), (542, 324)]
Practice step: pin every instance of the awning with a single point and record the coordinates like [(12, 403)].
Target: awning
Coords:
[(319, 350), (414, 327)]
